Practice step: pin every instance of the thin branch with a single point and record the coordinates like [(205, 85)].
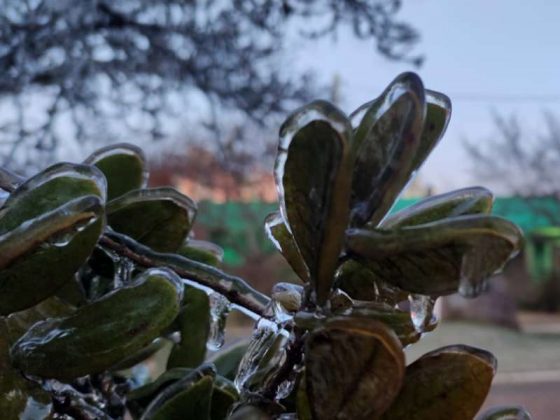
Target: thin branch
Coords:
[(235, 289)]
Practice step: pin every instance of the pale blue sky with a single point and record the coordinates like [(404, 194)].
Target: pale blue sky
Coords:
[(476, 48)]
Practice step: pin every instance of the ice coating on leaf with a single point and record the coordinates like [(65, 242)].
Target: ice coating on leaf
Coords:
[(313, 174), (156, 194), (441, 257), (505, 413), (353, 369), (422, 312), (62, 170), (386, 139), (438, 114), (473, 200), (124, 166), (286, 299), (102, 333), (277, 231), (209, 247), (57, 227), (158, 217), (219, 310)]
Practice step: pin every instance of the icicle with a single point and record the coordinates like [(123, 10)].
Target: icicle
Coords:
[(422, 312), (219, 310)]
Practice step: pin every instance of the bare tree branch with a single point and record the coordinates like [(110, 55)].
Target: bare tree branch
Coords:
[(94, 65)]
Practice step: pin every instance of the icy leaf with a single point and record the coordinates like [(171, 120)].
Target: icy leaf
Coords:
[(448, 383), (202, 251), (48, 227), (124, 166), (194, 322), (387, 138), (278, 233), (474, 200), (362, 284), (353, 369), (313, 174), (19, 398), (189, 397), (101, 334), (160, 218), (438, 114), (441, 257), (505, 413)]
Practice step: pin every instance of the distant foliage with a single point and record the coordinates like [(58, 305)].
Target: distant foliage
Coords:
[(99, 273)]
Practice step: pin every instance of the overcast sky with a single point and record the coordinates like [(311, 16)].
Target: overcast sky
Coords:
[(498, 55)]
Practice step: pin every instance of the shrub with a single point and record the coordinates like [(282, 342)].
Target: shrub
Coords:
[(97, 272)]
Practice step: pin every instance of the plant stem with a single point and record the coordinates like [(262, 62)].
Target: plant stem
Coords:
[(235, 289)]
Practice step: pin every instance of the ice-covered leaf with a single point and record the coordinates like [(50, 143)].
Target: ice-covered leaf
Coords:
[(387, 138), (202, 251), (313, 175), (438, 114), (19, 397), (124, 166), (278, 233), (448, 383), (438, 258), (194, 322), (361, 283), (48, 228), (160, 218), (187, 398), (99, 335), (354, 368), (505, 413), (474, 200)]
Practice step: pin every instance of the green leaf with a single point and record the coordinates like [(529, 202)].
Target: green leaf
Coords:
[(187, 398), (438, 114), (227, 360), (223, 397), (48, 228), (441, 257), (202, 251), (387, 138), (138, 399), (448, 383), (194, 321), (313, 175), (249, 412), (160, 218), (278, 233), (99, 335), (467, 201), (19, 398), (362, 284), (19, 322), (124, 167), (141, 355), (505, 413), (353, 369)]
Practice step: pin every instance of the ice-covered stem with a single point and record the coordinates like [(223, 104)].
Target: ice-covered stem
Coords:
[(235, 289)]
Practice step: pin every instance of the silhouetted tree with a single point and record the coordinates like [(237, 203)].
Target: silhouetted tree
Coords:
[(525, 164), (95, 65)]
